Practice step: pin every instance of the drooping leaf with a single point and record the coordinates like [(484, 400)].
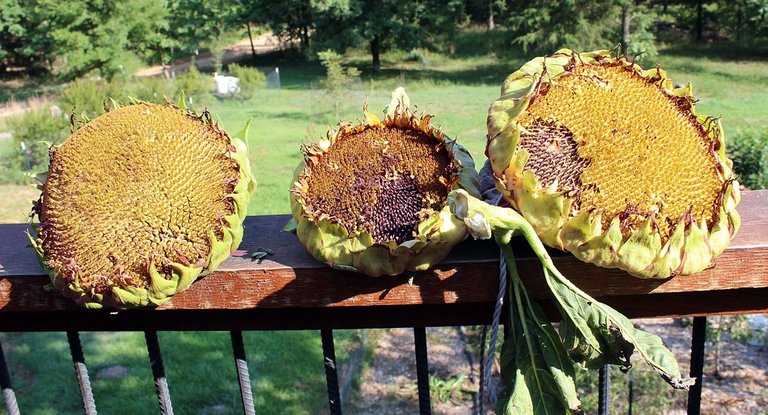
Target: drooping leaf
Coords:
[(533, 357)]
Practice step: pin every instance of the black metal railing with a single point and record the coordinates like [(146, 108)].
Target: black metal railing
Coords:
[(331, 372)]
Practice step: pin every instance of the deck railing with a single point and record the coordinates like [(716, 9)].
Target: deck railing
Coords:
[(288, 290)]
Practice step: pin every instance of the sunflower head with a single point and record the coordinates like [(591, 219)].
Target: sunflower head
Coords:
[(373, 197), (612, 163), (139, 202)]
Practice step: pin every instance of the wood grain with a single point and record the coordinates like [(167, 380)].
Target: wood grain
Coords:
[(290, 290)]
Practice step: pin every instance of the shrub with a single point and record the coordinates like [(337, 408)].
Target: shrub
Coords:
[(337, 78), (250, 80), (195, 86), (419, 56), (749, 151), (33, 133), (152, 89), (85, 96)]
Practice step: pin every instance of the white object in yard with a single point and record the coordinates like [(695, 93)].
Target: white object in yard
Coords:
[(226, 84)]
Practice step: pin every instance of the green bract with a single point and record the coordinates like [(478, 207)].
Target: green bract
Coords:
[(612, 163), (373, 197), (139, 202)]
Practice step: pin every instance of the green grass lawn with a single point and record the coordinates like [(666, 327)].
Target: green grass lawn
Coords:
[(286, 367), (458, 92)]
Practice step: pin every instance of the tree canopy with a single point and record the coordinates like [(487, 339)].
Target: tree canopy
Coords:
[(107, 36)]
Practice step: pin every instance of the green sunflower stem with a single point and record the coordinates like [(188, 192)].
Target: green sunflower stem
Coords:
[(592, 333), (535, 365)]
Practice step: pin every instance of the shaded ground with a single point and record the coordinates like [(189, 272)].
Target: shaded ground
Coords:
[(740, 387), (388, 385)]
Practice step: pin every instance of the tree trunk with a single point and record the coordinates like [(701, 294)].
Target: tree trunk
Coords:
[(739, 21), (304, 39), (699, 20), (625, 18), (375, 52), (491, 23), (250, 37)]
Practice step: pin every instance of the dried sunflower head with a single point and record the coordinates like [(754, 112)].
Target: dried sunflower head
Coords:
[(139, 202), (373, 197), (612, 163)]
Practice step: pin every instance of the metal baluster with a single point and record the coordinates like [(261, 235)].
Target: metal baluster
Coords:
[(241, 364), (631, 392), (481, 392), (158, 372), (422, 369), (698, 338), (331, 374), (5, 382), (604, 391), (81, 371)]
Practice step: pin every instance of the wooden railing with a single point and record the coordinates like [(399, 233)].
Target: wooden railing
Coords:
[(289, 290)]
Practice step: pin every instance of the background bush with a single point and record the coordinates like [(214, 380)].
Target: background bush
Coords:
[(196, 87), (86, 96), (37, 130), (251, 80), (749, 151), (152, 89)]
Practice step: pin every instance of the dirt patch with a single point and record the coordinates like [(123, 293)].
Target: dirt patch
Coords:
[(739, 387), (264, 43), (388, 385)]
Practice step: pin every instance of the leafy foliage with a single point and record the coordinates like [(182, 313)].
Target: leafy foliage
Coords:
[(103, 35), (196, 87), (749, 151), (152, 89), (250, 80), (542, 25), (194, 24), (88, 97), (538, 364), (20, 44), (445, 390), (337, 78), (33, 133)]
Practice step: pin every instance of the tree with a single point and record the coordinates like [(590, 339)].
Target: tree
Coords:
[(485, 11), (546, 26), (443, 21), (337, 78), (378, 24), (291, 20), (99, 35), (23, 39), (194, 24)]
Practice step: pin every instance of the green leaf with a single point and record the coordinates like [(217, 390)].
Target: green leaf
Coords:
[(598, 334), (533, 358)]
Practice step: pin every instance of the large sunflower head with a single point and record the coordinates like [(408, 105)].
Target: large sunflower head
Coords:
[(612, 163), (373, 197), (139, 202)]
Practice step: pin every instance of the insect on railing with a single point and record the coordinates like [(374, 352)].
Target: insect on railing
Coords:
[(290, 291)]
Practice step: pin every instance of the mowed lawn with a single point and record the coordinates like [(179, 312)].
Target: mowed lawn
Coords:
[(456, 91), (287, 369)]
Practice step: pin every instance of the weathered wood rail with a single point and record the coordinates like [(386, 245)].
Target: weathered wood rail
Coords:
[(289, 290)]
